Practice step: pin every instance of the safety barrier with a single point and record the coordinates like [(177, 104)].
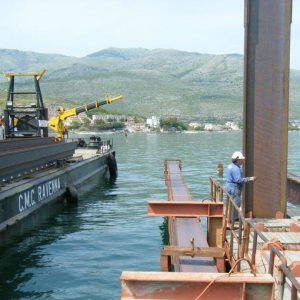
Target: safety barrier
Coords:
[(239, 234)]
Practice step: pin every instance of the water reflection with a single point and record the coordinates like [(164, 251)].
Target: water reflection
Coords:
[(24, 257)]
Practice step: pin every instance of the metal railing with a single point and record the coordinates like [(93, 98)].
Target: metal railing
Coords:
[(283, 268), (239, 232), (216, 191)]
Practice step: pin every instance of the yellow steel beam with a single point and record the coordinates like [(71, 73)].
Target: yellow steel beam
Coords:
[(38, 75)]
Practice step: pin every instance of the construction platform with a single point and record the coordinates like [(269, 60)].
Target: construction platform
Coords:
[(248, 259)]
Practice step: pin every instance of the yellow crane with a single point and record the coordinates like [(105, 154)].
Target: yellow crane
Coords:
[(56, 123)]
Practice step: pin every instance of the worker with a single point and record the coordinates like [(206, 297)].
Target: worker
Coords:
[(235, 179)]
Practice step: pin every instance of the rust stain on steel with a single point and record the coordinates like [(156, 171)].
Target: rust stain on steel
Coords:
[(266, 94), (295, 268), (193, 251), (183, 230), (177, 189), (188, 286), (185, 209)]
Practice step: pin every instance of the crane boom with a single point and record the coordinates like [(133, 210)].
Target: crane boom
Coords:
[(56, 123), (96, 104)]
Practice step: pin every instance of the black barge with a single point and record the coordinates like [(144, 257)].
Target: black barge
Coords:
[(36, 170)]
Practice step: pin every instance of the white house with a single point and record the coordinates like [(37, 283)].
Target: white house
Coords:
[(194, 125), (231, 126), (153, 122)]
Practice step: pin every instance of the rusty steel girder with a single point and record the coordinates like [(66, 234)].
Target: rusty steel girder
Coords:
[(183, 230), (266, 95), (191, 286), (16, 162), (185, 209)]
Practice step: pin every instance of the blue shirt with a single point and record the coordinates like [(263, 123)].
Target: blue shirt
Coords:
[(234, 176)]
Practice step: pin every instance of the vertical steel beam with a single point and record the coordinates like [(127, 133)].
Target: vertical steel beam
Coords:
[(266, 93)]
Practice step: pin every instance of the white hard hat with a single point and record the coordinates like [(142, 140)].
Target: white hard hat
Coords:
[(237, 155)]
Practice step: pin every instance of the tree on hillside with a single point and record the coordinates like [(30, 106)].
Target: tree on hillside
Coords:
[(108, 125), (172, 122)]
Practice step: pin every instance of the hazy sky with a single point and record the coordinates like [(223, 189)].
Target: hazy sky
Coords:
[(81, 27)]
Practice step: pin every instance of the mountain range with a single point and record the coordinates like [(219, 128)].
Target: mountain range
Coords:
[(161, 82)]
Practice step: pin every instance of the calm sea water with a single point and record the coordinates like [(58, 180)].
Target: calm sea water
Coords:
[(80, 252)]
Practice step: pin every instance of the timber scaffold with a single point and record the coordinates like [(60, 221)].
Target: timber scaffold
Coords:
[(245, 259)]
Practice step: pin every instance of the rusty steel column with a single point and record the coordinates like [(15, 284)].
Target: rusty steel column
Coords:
[(266, 94)]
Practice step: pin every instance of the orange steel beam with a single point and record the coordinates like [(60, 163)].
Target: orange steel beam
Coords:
[(183, 230), (204, 252), (189, 286), (185, 209)]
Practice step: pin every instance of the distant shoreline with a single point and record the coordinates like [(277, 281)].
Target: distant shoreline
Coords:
[(82, 133), (148, 132)]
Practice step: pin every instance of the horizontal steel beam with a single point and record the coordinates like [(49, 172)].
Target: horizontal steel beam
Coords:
[(185, 209), (9, 145), (172, 285), (196, 251), (19, 161)]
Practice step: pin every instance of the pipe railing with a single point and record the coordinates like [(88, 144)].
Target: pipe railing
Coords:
[(282, 267), (241, 235), (216, 191)]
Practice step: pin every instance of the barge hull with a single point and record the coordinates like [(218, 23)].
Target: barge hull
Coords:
[(22, 199)]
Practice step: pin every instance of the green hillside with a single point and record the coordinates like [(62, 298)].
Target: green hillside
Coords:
[(158, 82)]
